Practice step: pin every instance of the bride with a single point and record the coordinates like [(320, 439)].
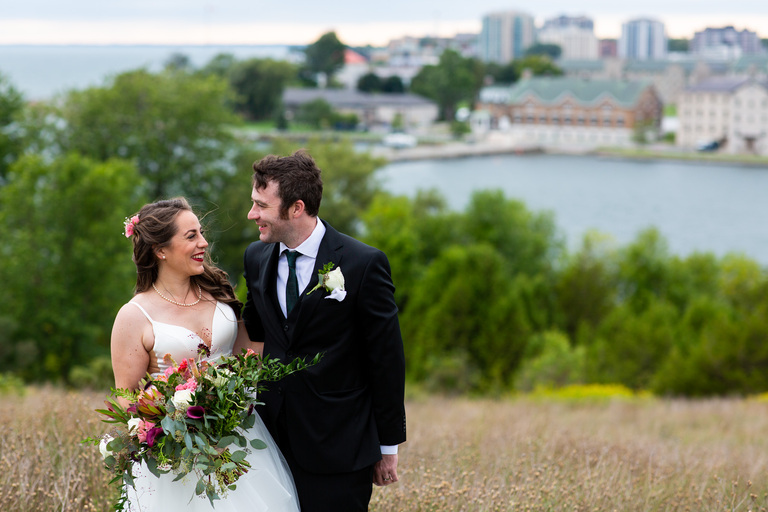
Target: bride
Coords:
[(183, 300)]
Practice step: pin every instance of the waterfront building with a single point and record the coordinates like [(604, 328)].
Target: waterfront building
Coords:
[(670, 77), (726, 42), (643, 39), (727, 114), (375, 112), (505, 36), (567, 112)]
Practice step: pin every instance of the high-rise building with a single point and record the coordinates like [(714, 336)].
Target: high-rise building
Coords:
[(505, 36), (573, 34), (726, 42), (564, 21), (643, 39)]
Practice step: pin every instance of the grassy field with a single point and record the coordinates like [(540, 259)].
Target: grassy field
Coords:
[(462, 455)]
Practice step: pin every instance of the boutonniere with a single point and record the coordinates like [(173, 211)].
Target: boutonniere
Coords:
[(331, 280)]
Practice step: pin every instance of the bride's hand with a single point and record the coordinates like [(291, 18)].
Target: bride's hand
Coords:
[(385, 471)]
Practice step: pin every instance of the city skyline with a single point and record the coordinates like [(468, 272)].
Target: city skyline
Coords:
[(303, 21)]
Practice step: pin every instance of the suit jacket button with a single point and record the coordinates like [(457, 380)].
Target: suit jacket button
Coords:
[(285, 327)]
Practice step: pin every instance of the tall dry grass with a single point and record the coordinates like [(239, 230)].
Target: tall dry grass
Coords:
[(462, 455)]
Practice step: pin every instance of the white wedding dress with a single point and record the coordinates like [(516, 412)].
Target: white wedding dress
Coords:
[(266, 487)]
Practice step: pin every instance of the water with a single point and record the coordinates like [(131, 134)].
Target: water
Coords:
[(716, 208), (40, 72)]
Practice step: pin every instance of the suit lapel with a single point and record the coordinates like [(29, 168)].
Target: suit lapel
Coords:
[(268, 284), (330, 250)]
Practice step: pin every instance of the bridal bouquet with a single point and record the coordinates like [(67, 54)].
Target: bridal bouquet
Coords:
[(189, 421)]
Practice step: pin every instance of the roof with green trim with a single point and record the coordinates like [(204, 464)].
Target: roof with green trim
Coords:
[(553, 90)]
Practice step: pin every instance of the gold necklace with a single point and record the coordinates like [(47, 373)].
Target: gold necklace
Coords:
[(199, 296)]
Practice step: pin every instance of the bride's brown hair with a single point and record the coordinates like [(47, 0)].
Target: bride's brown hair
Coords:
[(154, 229)]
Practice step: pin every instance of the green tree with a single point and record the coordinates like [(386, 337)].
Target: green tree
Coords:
[(325, 56), (173, 125), (412, 232), (538, 65), (502, 74), (678, 45), (393, 84), (369, 82), (528, 241), (553, 51), (317, 113), (259, 86), (66, 264), (550, 361), (178, 62), (586, 285), (11, 106), (453, 80), (220, 65), (466, 318), (629, 346)]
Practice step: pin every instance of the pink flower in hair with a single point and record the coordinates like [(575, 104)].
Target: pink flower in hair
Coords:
[(129, 224)]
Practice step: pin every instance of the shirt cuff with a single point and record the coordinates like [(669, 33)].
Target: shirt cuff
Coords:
[(388, 450)]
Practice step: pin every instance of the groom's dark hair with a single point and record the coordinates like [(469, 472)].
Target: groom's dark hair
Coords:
[(297, 177)]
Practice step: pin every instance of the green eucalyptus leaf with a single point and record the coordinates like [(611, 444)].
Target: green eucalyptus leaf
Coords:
[(258, 444)]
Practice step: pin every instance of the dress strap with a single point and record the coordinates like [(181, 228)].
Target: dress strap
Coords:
[(143, 311)]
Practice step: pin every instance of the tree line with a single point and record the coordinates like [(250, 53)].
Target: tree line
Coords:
[(490, 298)]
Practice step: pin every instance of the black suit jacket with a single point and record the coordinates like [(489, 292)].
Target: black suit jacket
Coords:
[(339, 411)]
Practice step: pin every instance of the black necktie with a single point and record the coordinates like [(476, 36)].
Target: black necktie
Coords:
[(292, 284)]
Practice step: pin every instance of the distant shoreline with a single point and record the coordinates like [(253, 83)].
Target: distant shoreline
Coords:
[(455, 149)]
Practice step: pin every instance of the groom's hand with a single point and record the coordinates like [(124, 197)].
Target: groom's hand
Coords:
[(385, 471)]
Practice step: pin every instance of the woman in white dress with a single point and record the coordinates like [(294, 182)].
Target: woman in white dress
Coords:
[(182, 300)]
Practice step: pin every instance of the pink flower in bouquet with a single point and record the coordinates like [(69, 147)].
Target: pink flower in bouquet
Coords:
[(191, 385), (250, 353), (142, 429)]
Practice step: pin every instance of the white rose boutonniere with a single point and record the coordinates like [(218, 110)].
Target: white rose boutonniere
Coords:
[(332, 281)]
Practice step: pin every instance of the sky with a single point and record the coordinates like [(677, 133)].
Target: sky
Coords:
[(356, 23)]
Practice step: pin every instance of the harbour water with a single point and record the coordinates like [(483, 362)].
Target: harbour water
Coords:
[(40, 72), (717, 208)]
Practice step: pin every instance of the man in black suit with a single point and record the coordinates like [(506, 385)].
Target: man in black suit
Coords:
[(339, 422)]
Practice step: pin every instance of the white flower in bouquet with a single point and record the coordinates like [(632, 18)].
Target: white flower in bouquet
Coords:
[(222, 377), (133, 425), (105, 452), (182, 399)]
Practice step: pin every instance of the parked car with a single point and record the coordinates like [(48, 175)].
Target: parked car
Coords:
[(708, 146), (400, 140)]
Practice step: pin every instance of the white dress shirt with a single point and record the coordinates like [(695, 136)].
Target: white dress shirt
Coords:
[(305, 263)]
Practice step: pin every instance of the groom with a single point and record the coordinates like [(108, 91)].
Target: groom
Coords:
[(339, 422)]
